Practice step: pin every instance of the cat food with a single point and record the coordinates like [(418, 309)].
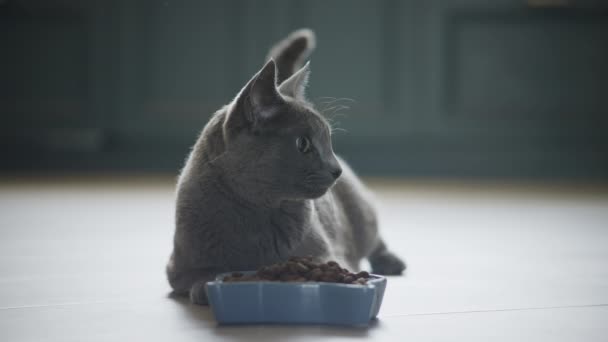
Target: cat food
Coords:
[(302, 269)]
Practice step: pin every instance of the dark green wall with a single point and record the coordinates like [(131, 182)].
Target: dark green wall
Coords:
[(433, 88)]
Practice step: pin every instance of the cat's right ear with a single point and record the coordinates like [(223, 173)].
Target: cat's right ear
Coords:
[(259, 100), (295, 85)]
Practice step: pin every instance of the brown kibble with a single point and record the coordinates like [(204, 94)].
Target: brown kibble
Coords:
[(327, 279), (362, 274), (292, 277), (361, 281), (331, 270), (265, 277), (316, 274), (301, 268), (330, 277), (275, 269), (309, 264), (265, 272), (335, 269)]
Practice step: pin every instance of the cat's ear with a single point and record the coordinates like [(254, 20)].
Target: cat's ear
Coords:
[(295, 86), (259, 100), (263, 93)]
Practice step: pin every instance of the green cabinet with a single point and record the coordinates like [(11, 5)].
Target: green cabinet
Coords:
[(421, 88)]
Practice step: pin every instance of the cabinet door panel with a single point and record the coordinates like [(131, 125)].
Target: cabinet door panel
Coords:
[(176, 64), (45, 85), (526, 65)]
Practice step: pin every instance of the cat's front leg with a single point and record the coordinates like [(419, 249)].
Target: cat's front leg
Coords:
[(192, 282), (198, 291)]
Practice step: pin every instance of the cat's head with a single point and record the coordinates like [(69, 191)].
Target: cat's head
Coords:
[(277, 144)]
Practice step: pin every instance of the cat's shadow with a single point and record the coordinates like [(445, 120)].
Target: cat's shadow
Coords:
[(268, 332)]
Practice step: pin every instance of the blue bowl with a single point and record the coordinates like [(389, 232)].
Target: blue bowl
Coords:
[(295, 303)]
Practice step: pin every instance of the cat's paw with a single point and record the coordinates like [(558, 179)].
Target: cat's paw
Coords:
[(198, 293), (387, 263)]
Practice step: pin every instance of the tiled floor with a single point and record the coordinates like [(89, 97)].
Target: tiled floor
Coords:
[(84, 260)]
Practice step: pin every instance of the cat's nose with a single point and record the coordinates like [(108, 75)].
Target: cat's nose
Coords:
[(336, 172)]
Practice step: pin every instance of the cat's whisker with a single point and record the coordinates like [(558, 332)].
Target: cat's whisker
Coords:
[(336, 98), (335, 113), (339, 108), (333, 103), (334, 109), (332, 100), (327, 98), (337, 116), (335, 128), (326, 105)]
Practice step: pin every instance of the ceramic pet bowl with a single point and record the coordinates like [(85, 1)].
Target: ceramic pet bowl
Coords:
[(253, 302)]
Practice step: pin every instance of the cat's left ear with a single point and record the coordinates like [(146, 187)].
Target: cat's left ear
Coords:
[(261, 93), (257, 102), (295, 86)]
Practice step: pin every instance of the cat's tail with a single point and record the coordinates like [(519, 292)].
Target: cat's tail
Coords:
[(290, 53)]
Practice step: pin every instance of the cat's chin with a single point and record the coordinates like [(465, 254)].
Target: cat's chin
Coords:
[(314, 193)]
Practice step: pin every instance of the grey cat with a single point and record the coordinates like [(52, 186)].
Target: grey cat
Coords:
[(262, 183)]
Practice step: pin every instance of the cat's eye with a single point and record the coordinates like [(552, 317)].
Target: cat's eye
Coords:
[(303, 144)]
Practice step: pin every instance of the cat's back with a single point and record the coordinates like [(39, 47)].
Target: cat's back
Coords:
[(199, 197), (209, 145)]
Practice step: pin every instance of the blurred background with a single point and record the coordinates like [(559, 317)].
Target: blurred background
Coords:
[(504, 89), (481, 127)]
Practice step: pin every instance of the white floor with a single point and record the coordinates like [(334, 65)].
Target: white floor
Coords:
[(83, 261)]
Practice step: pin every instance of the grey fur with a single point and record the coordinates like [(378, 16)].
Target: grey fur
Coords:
[(248, 197), (295, 85), (291, 52)]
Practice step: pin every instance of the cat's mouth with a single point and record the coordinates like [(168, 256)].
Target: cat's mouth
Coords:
[(316, 186)]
